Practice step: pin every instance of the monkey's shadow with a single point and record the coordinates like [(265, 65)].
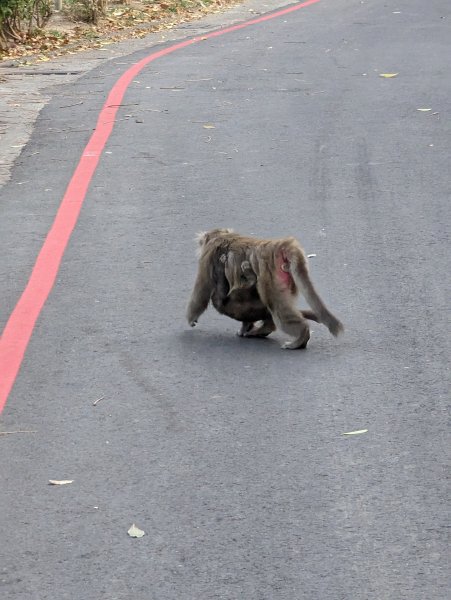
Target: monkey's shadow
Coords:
[(215, 342), (211, 340)]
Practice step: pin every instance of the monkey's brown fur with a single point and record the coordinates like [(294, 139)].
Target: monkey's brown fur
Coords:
[(243, 303), (280, 268)]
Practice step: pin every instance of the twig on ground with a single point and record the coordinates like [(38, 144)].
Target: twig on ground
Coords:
[(98, 400)]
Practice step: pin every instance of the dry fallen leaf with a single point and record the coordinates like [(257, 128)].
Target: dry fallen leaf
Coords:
[(310, 255), (60, 481), (424, 109), (135, 532), (388, 75), (209, 126), (358, 432)]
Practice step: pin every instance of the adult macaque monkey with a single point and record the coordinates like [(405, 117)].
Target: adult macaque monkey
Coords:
[(280, 269)]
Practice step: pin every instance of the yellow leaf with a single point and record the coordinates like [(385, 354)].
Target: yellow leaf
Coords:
[(358, 432), (60, 481), (424, 109), (209, 126), (388, 75), (135, 532)]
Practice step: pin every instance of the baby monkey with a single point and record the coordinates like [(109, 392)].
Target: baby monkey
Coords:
[(243, 303), (251, 280)]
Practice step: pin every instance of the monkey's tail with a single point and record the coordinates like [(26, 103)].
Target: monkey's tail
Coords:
[(300, 274), (310, 315)]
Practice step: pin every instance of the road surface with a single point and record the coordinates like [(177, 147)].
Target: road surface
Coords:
[(230, 453)]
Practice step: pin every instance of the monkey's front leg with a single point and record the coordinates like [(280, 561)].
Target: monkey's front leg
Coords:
[(200, 297)]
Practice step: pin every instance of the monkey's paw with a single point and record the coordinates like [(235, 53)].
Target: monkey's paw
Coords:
[(192, 323), (294, 346), (245, 328), (288, 346)]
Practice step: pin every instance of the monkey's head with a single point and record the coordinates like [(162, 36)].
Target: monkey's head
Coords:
[(204, 237)]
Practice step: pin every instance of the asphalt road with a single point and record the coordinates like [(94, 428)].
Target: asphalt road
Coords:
[(229, 453)]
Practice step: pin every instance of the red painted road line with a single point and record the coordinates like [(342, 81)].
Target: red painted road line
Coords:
[(20, 325)]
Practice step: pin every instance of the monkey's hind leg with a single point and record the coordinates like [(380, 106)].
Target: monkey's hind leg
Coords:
[(286, 316), (302, 339), (294, 324)]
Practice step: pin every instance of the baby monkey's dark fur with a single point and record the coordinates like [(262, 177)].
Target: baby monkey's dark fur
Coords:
[(244, 303)]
